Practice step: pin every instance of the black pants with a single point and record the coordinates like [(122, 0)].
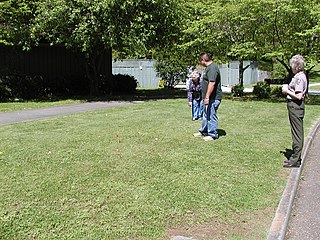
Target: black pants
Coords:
[(296, 114)]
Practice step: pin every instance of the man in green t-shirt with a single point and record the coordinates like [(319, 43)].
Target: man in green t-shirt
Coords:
[(212, 95)]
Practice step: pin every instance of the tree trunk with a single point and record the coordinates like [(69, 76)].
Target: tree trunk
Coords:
[(93, 69), (289, 70), (241, 73), (91, 73)]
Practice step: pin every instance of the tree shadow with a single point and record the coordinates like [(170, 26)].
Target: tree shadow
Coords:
[(287, 153)]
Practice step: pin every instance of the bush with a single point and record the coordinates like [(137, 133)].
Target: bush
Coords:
[(277, 92), (262, 90), (68, 85), (21, 86), (162, 83), (5, 91), (237, 90), (118, 84)]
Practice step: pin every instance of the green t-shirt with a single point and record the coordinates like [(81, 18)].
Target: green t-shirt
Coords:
[(212, 74)]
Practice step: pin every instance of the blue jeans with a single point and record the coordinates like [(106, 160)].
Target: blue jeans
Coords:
[(197, 108), (210, 119)]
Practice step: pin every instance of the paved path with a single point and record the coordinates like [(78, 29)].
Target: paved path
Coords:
[(298, 213), (41, 113), (305, 218)]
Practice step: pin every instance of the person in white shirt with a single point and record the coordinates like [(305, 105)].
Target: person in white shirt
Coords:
[(296, 91)]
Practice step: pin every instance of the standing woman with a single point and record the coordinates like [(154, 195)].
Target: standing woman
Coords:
[(295, 92), (194, 96)]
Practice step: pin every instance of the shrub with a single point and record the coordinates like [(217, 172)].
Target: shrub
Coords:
[(68, 85), (21, 86), (262, 90), (162, 83), (277, 92), (237, 90), (5, 91), (118, 84)]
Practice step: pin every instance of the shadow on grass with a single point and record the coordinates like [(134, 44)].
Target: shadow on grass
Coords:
[(221, 132), (138, 95), (287, 153), (310, 99), (166, 93)]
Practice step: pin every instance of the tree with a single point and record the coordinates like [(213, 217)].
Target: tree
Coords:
[(15, 17), (289, 24), (254, 30), (226, 29), (96, 26)]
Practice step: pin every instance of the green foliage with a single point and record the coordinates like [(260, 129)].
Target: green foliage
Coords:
[(162, 83), (253, 30), (15, 18), (277, 92), (172, 31), (237, 90), (94, 27), (20, 86), (170, 73), (14, 85), (278, 71), (125, 26), (5, 91), (119, 83), (262, 90)]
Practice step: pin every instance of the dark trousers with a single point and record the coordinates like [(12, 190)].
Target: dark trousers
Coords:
[(296, 114)]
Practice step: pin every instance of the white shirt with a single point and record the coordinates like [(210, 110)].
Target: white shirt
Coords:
[(298, 84)]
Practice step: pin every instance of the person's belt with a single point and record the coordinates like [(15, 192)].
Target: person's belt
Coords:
[(295, 101)]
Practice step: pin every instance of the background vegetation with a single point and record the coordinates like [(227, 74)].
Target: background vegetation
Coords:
[(136, 171), (173, 32)]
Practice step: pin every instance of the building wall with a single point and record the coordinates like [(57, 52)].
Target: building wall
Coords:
[(141, 69), (230, 73), (146, 75)]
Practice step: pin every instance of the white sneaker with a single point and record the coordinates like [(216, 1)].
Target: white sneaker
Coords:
[(208, 138), (198, 134)]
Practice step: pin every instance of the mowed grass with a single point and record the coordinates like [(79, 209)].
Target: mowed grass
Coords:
[(15, 106), (70, 177)]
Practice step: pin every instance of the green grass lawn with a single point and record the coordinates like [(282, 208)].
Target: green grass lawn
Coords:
[(14, 106), (315, 88), (70, 177)]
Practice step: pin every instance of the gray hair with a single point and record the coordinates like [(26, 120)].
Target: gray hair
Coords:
[(297, 63)]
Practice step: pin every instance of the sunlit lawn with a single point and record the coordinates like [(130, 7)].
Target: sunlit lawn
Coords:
[(14, 106), (70, 177), (315, 88)]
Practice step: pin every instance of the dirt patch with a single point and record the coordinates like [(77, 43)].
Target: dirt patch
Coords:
[(243, 226)]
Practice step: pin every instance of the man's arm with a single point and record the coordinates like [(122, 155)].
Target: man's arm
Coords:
[(208, 93)]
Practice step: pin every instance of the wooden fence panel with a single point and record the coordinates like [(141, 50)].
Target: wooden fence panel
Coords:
[(48, 61)]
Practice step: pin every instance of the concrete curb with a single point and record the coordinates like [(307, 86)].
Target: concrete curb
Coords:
[(280, 222)]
